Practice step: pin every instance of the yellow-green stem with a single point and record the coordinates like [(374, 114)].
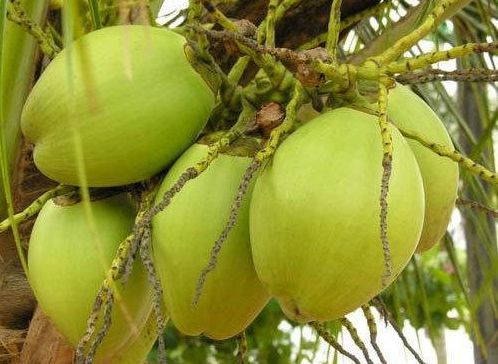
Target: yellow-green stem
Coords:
[(425, 60), (334, 29), (36, 206), (387, 147), (405, 43), (444, 151), (270, 23), (219, 17)]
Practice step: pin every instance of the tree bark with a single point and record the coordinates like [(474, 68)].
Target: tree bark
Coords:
[(44, 345)]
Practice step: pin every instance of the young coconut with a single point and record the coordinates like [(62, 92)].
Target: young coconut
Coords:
[(183, 236), (314, 216), (68, 259), (129, 94), (440, 175)]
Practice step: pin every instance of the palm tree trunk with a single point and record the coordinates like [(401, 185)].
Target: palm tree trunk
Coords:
[(480, 254)]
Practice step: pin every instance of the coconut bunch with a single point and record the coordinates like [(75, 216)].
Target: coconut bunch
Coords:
[(124, 104)]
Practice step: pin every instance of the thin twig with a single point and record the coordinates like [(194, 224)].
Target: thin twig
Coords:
[(477, 206), (36, 206), (232, 219), (465, 75), (372, 328), (331, 340), (387, 315), (241, 347), (17, 14), (356, 338)]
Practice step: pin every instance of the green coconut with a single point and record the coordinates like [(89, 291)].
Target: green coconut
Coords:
[(183, 236), (314, 216), (440, 175), (68, 259), (126, 97)]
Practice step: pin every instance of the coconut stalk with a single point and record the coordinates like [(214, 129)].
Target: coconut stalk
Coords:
[(403, 28)]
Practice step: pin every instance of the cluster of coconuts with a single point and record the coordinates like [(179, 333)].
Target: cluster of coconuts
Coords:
[(123, 103)]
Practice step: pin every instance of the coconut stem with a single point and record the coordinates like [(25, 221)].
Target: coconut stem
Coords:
[(465, 75), (214, 150), (241, 347), (106, 325), (36, 205), (425, 60), (332, 341), (347, 23), (372, 328), (377, 303), (16, 14), (275, 71), (275, 138), (218, 16), (232, 220), (157, 289), (387, 147), (405, 43), (334, 29), (492, 213), (121, 268), (356, 338), (270, 23), (444, 151)]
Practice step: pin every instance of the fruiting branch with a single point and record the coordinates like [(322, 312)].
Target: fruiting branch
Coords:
[(36, 206), (356, 338), (466, 75), (219, 17), (347, 23), (104, 329), (387, 316), (16, 14), (270, 23), (192, 172), (121, 268), (425, 60), (247, 46), (405, 43), (372, 328), (334, 29), (332, 341), (274, 16), (260, 157), (473, 167), (104, 298), (241, 347), (387, 157), (157, 289), (477, 206), (232, 220)]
